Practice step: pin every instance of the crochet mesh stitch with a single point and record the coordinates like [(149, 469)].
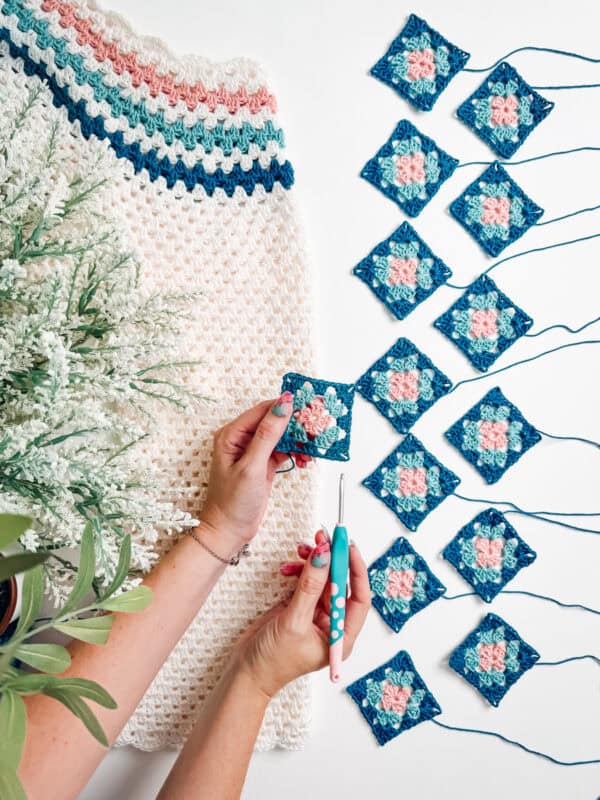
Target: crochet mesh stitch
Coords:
[(402, 271), (243, 254), (403, 384), (393, 698), (488, 553), (402, 584), (493, 435), (504, 110), (419, 63), (492, 658), (495, 210), (409, 168), (483, 323), (321, 421), (411, 482)]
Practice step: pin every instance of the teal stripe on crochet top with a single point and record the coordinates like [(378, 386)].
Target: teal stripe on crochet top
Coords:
[(122, 107)]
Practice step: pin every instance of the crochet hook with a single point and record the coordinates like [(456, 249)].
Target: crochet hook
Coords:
[(339, 581)]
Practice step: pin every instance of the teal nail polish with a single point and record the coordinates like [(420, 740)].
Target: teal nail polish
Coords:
[(321, 559), (279, 409)]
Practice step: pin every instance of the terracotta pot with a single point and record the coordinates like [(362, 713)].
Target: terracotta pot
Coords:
[(8, 602)]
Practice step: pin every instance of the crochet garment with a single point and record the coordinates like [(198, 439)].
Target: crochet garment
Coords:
[(203, 190)]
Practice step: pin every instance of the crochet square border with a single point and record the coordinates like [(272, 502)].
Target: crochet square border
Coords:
[(492, 658), (402, 584), (493, 435), (483, 323), (409, 168), (495, 210), (488, 553), (403, 384), (504, 110), (402, 271), (419, 63), (321, 420), (411, 482), (393, 698)]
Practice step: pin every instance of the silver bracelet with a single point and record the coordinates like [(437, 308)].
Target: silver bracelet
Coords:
[(229, 562)]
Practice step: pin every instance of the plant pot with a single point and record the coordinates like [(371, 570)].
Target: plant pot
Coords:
[(10, 601)]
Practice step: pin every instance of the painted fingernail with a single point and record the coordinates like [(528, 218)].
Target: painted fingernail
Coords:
[(304, 550), (321, 555), (281, 407), (289, 568)]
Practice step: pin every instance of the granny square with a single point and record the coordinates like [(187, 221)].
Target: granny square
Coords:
[(403, 384), (411, 482), (402, 271), (409, 168), (402, 584), (483, 323), (488, 553), (495, 210), (492, 658), (393, 698), (321, 421), (504, 110), (493, 435), (419, 63)]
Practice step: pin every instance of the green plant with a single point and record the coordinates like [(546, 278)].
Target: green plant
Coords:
[(89, 622)]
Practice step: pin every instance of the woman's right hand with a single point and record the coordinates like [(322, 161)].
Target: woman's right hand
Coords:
[(292, 640)]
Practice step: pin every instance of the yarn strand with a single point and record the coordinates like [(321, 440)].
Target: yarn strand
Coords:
[(517, 744), (584, 657), (525, 593), (529, 160), (527, 253), (567, 216), (523, 361), (562, 327), (581, 439), (534, 49)]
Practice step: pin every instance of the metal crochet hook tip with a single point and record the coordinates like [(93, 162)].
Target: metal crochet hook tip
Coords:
[(341, 500)]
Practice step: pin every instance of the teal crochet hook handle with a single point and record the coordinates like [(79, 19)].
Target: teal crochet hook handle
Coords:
[(339, 580)]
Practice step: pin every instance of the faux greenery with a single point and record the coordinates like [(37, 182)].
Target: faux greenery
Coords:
[(87, 622), (85, 354)]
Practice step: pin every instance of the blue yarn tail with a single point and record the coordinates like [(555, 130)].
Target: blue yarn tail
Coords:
[(535, 49), (567, 216), (562, 328), (595, 659), (524, 593), (581, 439), (517, 744)]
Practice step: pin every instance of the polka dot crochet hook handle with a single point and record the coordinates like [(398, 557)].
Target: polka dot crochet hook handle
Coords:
[(337, 612)]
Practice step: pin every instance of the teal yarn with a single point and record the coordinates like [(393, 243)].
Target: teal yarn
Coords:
[(521, 746), (546, 598), (535, 49)]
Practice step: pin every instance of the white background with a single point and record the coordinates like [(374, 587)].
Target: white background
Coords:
[(335, 116)]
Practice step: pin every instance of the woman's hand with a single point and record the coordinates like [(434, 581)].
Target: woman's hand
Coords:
[(242, 471), (291, 640)]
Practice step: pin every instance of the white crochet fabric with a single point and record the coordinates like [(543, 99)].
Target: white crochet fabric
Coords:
[(204, 193)]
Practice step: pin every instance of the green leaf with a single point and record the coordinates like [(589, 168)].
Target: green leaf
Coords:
[(12, 729), (31, 594), (27, 682), (122, 569), (134, 600), (11, 787), (13, 565), (93, 629), (85, 575), (84, 688), (76, 705), (51, 658), (12, 526)]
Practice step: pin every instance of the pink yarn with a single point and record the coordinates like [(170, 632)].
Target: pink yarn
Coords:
[(484, 323), (404, 385), (496, 211), (504, 110), (491, 657), (493, 435), (421, 64), (411, 169), (403, 271), (314, 417), (400, 583), (489, 551), (395, 698), (413, 481), (191, 94)]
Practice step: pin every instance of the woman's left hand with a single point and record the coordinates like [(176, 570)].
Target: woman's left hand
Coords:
[(243, 467)]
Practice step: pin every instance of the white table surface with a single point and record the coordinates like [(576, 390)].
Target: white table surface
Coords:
[(335, 117)]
